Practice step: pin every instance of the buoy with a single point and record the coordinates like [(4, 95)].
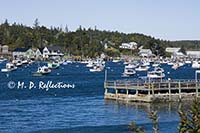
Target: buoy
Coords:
[(7, 75)]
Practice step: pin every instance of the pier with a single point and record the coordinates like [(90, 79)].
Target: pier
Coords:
[(151, 91)]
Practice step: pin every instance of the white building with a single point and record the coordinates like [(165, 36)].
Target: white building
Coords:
[(145, 53), (19, 52), (172, 50), (193, 54), (38, 54), (45, 53), (131, 45), (4, 49), (52, 51)]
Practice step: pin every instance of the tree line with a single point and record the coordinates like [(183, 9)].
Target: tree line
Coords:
[(82, 42)]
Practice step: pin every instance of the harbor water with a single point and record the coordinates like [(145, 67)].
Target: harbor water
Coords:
[(81, 108)]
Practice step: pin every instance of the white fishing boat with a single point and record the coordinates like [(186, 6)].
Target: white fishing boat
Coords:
[(9, 67), (129, 72), (69, 61), (126, 63), (2, 59), (170, 63), (181, 64), (17, 62), (188, 62), (53, 65), (155, 75), (156, 64), (84, 62), (97, 68), (159, 69), (24, 61), (115, 60), (196, 64), (145, 63), (65, 63), (90, 64), (131, 66), (142, 68), (42, 71)]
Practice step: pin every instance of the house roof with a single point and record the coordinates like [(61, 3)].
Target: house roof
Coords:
[(20, 49), (54, 48)]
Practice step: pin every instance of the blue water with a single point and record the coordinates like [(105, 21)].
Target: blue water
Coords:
[(81, 109)]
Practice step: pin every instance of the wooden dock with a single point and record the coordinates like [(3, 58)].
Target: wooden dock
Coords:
[(146, 91)]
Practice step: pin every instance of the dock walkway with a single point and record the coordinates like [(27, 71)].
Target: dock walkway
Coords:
[(146, 91)]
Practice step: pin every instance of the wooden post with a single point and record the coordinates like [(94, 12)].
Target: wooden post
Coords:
[(106, 90), (137, 89), (126, 89), (179, 88), (149, 87), (169, 86), (116, 91), (197, 91), (152, 88)]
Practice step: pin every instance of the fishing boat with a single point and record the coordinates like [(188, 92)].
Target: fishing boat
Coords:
[(25, 61), (131, 66), (155, 75), (9, 67), (42, 71), (115, 60), (142, 68), (145, 63), (188, 62), (97, 68), (53, 65), (68, 61), (196, 64), (159, 69), (129, 72), (156, 64), (65, 63), (2, 59), (170, 63), (90, 64), (18, 63), (84, 62)]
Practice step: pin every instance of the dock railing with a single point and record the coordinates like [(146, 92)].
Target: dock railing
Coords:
[(155, 87)]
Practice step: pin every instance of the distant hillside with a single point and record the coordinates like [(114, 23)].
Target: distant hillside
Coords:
[(82, 42), (187, 44)]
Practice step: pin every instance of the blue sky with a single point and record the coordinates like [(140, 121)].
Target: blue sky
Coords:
[(165, 19)]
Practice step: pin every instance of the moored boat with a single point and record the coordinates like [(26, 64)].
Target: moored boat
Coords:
[(42, 71), (9, 67)]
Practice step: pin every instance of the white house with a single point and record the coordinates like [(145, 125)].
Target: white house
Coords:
[(52, 51), (4, 49), (193, 54), (38, 53), (45, 53), (145, 53), (178, 55), (19, 52), (131, 45), (30, 53), (172, 49)]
